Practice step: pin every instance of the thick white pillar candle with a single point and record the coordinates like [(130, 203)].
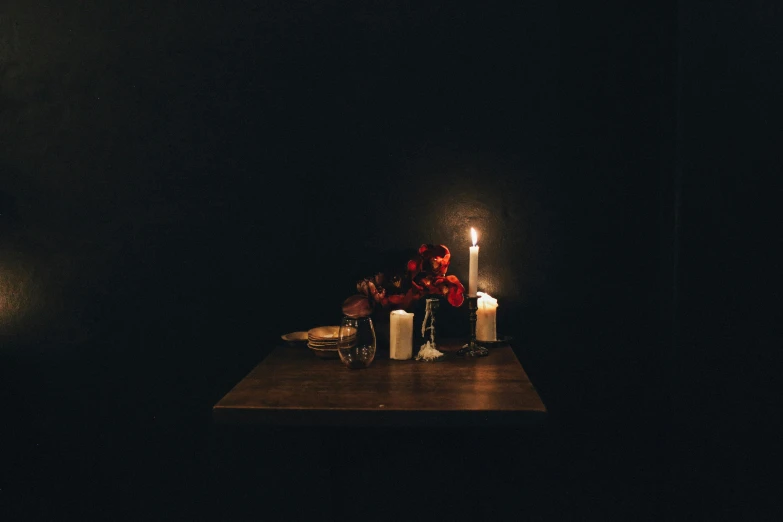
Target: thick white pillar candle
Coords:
[(473, 267), (486, 318), (400, 335)]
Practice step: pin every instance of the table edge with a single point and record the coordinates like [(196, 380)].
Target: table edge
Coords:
[(369, 417)]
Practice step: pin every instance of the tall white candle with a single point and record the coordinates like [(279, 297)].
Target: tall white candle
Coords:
[(486, 318), (400, 335), (473, 268)]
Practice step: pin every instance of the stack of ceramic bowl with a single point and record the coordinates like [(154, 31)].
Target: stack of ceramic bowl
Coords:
[(322, 340)]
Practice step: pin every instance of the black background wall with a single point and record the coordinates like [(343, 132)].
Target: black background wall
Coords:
[(727, 319), (181, 184)]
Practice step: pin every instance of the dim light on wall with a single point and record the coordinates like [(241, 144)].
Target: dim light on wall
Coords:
[(5, 296), (13, 298)]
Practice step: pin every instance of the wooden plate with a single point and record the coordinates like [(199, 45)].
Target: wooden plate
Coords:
[(321, 333), (324, 354), (295, 338), (321, 344)]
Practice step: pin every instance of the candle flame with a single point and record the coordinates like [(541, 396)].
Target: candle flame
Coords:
[(473, 235)]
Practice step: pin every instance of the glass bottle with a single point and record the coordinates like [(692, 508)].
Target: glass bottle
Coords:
[(356, 341)]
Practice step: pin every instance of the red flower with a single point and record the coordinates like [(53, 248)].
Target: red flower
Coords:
[(402, 301), (435, 257), (414, 266), (425, 275), (451, 287)]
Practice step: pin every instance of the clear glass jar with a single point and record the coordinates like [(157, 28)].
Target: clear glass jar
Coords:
[(356, 341)]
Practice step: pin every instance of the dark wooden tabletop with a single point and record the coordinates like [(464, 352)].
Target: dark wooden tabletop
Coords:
[(292, 386)]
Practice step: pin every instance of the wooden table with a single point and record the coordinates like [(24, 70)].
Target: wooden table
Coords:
[(293, 387)]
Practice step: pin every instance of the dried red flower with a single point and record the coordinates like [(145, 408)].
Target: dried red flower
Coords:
[(436, 258), (452, 288), (425, 275)]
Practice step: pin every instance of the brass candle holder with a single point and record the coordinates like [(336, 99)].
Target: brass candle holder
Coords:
[(473, 349)]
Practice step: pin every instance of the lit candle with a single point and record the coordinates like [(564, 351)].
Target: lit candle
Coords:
[(473, 272), (400, 335), (486, 316)]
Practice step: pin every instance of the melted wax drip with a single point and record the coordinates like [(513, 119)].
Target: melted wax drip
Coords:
[(428, 352)]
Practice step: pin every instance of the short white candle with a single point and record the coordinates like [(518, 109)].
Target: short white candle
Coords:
[(473, 268), (400, 335), (486, 318)]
